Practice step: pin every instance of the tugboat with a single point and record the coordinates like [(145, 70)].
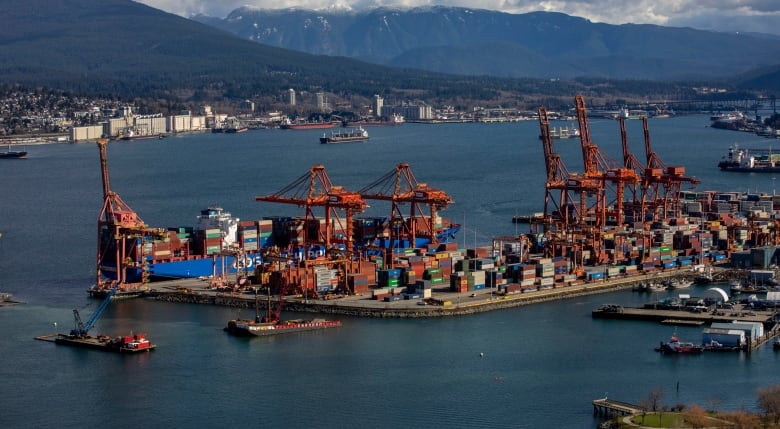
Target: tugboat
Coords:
[(271, 323), (675, 346)]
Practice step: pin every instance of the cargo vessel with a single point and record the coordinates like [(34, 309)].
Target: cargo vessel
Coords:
[(131, 134), (350, 135), (750, 161), (223, 245), (305, 125), (395, 119), (13, 154), (564, 133), (214, 247)]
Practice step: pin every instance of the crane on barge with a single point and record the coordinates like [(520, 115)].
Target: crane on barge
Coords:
[(81, 329)]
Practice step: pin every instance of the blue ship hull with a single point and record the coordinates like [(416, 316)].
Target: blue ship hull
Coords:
[(226, 265), (190, 268)]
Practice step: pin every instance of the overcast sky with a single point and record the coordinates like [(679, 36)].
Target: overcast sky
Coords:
[(721, 15)]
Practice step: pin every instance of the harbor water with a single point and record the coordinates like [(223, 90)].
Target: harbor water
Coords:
[(530, 367)]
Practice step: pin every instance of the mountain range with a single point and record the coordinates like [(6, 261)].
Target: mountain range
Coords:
[(484, 42), (121, 48)]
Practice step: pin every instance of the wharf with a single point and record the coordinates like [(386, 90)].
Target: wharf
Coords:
[(681, 316), (611, 408), (193, 291)]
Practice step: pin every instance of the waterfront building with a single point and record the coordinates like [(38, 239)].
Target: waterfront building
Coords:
[(377, 105)]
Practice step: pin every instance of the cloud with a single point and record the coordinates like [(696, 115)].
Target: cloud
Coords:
[(748, 15)]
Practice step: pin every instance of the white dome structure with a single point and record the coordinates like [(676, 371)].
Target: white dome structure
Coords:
[(716, 294)]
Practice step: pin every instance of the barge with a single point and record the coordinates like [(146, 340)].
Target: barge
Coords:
[(128, 344)]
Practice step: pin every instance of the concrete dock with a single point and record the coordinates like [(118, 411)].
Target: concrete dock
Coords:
[(195, 291)]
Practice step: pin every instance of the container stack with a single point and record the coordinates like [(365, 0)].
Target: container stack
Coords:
[(325, 279), (264, 232), (358, 283), (389, 278), (212, 241), (247, 235)]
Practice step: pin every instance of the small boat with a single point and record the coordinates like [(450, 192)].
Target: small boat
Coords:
[(735, 286), (675, 346), (271, 323), (345, 136), (704, 277), (13, 154), (776, 344), (715, 346), (678, 283)]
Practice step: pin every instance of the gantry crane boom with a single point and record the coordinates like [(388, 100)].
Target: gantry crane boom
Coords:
[(670, 179), (315, 189), (598, 168)]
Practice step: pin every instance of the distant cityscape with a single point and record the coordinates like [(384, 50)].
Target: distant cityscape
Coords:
[(30, 116)]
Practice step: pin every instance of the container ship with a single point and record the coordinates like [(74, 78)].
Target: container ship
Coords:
[(223, 245), (345, 136)]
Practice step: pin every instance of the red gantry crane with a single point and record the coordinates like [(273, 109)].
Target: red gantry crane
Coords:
[(599, 169), (630, 161), (400, 186), (564, 224), (666, 182), (121, 235), (315, 189)]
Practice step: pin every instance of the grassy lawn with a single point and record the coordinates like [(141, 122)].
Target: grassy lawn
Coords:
[(664, 420), (668, 420)]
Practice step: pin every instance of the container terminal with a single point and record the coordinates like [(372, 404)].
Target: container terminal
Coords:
[(605, 228)]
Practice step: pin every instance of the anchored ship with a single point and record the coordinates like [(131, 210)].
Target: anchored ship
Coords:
[(13, 154), (345, 136), (750, 161)]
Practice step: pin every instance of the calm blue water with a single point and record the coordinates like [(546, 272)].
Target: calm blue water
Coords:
[(541, 365)]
